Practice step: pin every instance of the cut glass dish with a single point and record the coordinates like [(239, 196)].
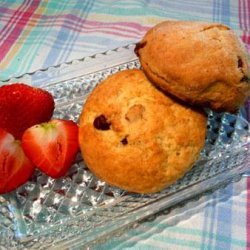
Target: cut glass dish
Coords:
[(80, 210)]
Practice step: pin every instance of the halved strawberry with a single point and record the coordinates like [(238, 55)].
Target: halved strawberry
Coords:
[(52, 146), (15, 167), (22, 106)]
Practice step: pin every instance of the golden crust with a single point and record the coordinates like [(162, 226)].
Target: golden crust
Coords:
[(135, 137), (202, 63)]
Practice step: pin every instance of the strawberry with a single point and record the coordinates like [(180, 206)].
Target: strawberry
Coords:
[(22, 106), (52, 146), (15, 167)]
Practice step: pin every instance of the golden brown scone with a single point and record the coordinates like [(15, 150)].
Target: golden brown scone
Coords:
[(136, 138), (201, 63)]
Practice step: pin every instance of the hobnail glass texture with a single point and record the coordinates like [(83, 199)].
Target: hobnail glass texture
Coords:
[(80, 209)]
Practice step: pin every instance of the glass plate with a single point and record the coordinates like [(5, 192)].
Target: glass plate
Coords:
[(80, 210)]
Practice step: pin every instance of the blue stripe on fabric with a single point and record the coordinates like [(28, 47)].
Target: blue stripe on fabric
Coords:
[(83, 15), (38, 37), (54, 49), (216, 8), (205, 228), (213, 212), (63, 35), (224, 216), (225, 12)]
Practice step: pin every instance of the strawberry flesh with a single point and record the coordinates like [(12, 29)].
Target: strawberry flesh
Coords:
[(52, 146), (22, 106), (15, 167)]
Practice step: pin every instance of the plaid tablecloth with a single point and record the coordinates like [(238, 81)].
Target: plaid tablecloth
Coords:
[(37, 34)]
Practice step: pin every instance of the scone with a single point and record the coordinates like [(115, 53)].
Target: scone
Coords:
[(134, 137), (201, 63)]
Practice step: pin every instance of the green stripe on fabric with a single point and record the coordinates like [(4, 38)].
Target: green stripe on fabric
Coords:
[(147, 13), (128, 243), (196, 232), (125, 11), (154, 237), (133, 4), (54, 6)]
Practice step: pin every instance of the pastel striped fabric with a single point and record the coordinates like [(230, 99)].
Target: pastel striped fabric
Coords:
[(213, 222), (36, 34)]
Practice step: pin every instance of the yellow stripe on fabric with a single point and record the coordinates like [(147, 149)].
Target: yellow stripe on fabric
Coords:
[(142, 20)]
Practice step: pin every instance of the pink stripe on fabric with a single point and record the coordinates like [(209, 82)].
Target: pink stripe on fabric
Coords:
[(248, 213), (244, 20), (12, 20), (126, 25), (245, 24), (72, 21), (248, 13), (6, 10), (111, 32), (10, 39), (123, 29), (246, 39), (89, 26)]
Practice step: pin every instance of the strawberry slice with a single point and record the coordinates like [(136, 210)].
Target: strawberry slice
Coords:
[(52, 146), (22, 106), (15, 167)]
